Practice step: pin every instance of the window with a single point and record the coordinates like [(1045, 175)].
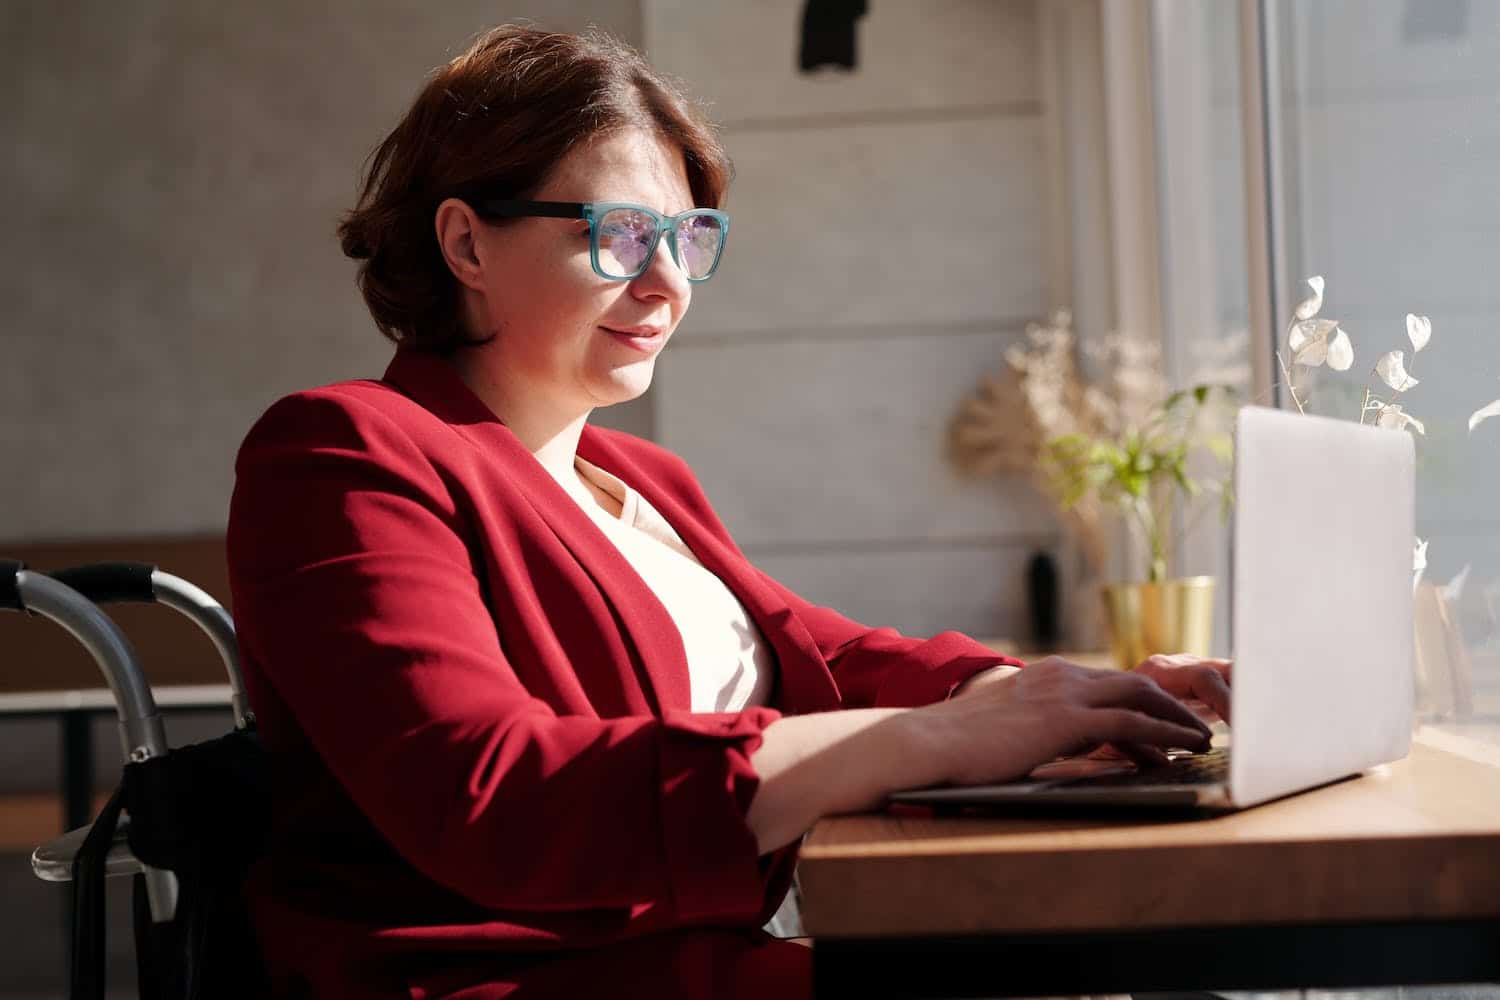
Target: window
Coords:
[(1357, 140)]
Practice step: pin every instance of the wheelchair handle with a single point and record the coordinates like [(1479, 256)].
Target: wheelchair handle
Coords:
[(143, 583), (140, 725), (141, 731)]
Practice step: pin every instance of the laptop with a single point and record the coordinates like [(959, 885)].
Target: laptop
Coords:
[(1322, 610)]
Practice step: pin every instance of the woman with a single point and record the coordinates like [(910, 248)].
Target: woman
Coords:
[(537, 726)]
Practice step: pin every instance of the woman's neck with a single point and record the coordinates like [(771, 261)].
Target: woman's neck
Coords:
[(550, 432)]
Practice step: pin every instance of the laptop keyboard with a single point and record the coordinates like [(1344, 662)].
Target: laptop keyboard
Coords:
[(1208, 768)]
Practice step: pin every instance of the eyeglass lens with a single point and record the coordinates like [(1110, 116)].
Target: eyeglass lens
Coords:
[(626, 236)]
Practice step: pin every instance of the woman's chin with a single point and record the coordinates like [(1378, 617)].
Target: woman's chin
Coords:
[(626, 382)]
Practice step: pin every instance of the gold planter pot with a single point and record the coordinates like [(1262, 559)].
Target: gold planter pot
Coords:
[(1174, 616)]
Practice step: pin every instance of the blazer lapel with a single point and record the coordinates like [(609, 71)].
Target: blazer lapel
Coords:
[(646, 623), (806, 684)]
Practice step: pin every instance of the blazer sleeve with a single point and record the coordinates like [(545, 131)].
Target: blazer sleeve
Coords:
[(357, 598), (872, 667), (880, 667)]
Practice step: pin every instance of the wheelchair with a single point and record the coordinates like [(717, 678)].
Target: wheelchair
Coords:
[(184, 824)]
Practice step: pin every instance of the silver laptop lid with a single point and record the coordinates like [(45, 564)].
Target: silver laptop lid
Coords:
[(1324, 653)]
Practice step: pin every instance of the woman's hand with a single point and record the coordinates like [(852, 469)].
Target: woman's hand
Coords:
[(1002, 729), (998, 726), (1191, 677)]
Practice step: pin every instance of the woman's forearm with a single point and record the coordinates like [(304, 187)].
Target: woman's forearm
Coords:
[(832, 762), (998, 729)]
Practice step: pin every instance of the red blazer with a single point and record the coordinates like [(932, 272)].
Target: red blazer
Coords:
[(485, 768)]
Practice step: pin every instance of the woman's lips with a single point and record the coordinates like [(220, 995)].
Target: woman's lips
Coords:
[(648, 339)]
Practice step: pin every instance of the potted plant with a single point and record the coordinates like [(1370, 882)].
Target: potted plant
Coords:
[(1124, 444), (1142, 470), (1127, 444)]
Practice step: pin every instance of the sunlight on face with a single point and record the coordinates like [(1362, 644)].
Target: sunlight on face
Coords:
[(552, 314)]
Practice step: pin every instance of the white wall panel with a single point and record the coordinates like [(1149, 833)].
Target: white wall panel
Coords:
[(839, 442), (933, 55), (978, 590), (884, 225), (888, 242)]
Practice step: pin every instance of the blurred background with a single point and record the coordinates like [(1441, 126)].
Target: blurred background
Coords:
[(916, 184)]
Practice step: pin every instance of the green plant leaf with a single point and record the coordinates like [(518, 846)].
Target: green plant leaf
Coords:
[(1221, 446), (1179, 474)]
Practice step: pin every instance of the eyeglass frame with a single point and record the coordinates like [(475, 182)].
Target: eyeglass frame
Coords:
[(592, 211)]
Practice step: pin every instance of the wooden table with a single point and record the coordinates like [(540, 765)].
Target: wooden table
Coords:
[(1389, 878)]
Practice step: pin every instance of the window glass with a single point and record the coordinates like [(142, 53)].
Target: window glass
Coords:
[(1389, 138), (1201, 187)]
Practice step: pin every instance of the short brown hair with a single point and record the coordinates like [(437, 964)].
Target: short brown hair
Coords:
[(501, 116)]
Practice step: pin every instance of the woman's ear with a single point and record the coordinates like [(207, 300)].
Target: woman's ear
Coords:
[(457, 235)]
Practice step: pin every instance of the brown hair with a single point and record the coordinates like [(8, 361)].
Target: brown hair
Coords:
[(500, 116)]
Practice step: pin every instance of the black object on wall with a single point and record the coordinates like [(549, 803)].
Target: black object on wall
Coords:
[(828, 33), (1041, 600)]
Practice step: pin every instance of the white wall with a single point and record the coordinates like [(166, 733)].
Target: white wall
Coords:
[(888, 243)]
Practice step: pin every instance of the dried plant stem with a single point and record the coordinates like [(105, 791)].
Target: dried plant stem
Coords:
[(1290, 385)]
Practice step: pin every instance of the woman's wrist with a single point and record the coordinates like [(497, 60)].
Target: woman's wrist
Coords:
[(828, 763), (988, 675), (902, 752)]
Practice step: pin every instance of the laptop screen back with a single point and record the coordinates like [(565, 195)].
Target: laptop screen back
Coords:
[(1323, 674)]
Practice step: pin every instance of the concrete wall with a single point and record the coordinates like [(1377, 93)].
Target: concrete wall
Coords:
[(888, 244), (168, 266)]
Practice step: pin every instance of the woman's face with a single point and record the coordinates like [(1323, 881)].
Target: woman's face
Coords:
[(557, 324)]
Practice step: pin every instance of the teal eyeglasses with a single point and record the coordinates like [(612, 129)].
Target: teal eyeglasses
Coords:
[(623, 237)]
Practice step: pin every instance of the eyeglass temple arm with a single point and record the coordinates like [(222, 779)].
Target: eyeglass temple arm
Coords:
[(508, 208)]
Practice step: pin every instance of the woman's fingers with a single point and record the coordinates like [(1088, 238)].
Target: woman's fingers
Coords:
[(1210, 687), (1054, 708), (1204, 683), (1188, 676), (1179, 660), (1143, 754), (1121, 726), (1144, 695)]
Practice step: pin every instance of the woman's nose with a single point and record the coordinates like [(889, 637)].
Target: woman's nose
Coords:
[(663, 277)]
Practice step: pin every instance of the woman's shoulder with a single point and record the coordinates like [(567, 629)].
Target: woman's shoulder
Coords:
[(347, 412), (351, 430), (358, 398)]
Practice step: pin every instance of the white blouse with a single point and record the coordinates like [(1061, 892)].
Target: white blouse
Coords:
[(729, 662)]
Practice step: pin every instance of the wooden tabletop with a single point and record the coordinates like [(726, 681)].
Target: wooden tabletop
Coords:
[(1414, 840)]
